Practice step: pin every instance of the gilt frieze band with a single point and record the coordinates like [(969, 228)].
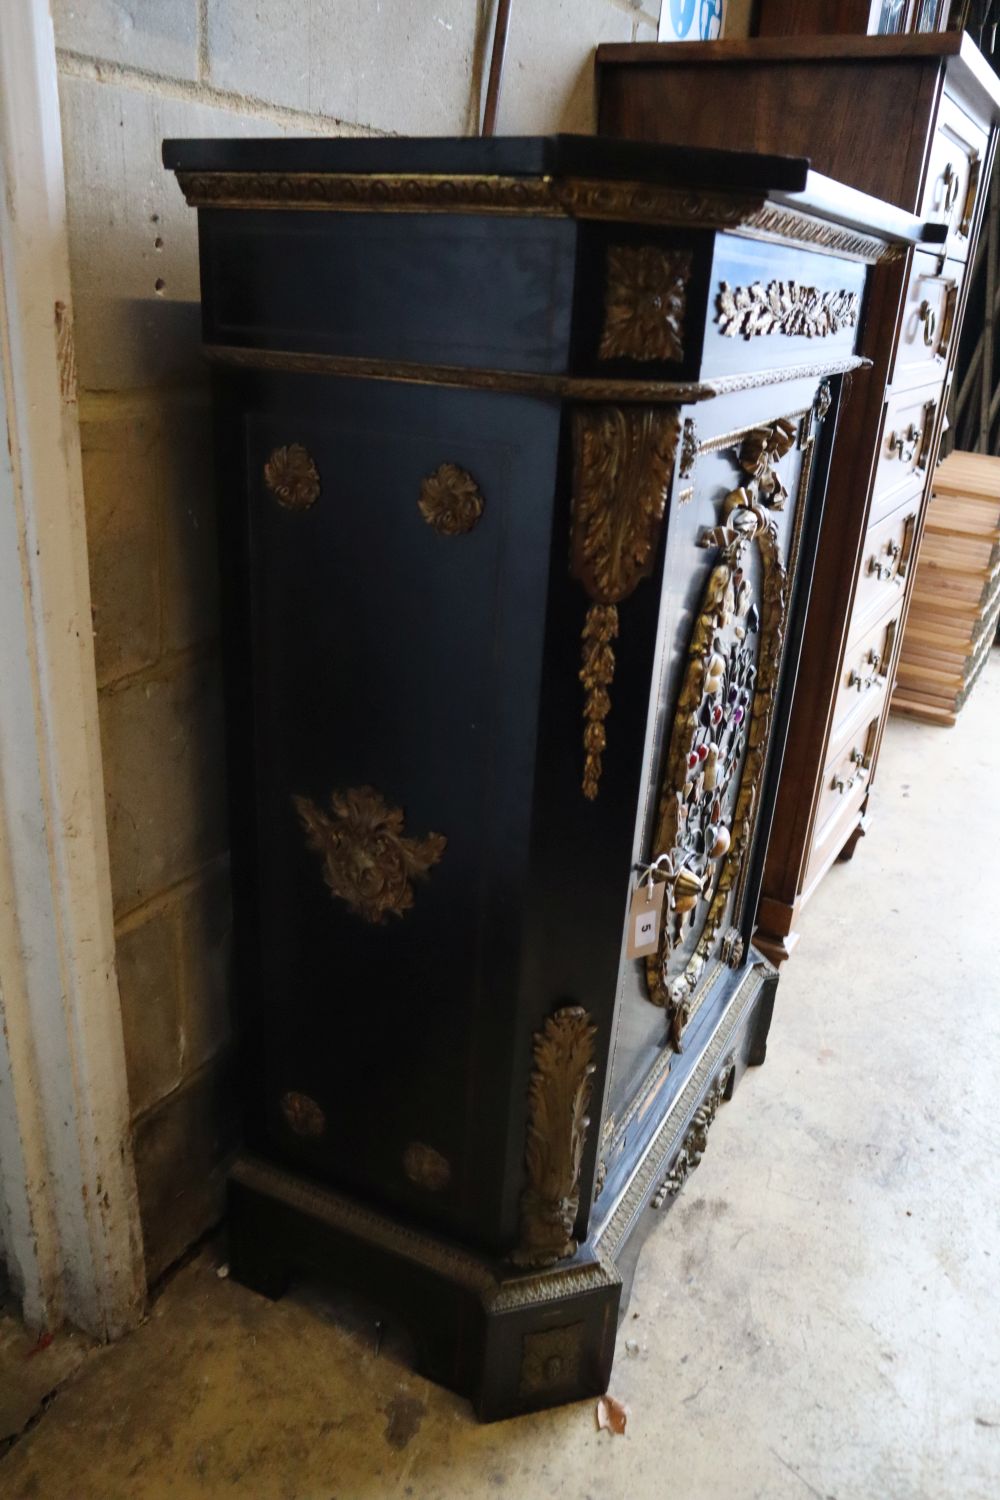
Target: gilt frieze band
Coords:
[(545, 197)]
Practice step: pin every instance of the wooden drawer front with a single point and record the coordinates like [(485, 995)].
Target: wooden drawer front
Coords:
[(865, 665), (845, 779), (928, 320), (832, 837), (953, 173), (907, 439), (885, 562)]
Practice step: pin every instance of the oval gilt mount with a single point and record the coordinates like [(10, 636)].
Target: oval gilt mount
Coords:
[(425, 1167), (450, 500), (304, 1115), (292, 477)]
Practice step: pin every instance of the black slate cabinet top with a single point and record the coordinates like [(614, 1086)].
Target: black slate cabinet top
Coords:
[(507, 156), (751, 178)]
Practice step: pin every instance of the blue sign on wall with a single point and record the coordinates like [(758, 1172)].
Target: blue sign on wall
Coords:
[(692, 20)]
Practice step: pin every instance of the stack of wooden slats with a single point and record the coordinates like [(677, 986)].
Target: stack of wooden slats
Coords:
[(956, 594)]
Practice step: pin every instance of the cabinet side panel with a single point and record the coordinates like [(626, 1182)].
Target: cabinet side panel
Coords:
[(387, 665), (874, 119)]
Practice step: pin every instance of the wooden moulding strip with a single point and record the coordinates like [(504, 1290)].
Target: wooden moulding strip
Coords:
[(521, 382)]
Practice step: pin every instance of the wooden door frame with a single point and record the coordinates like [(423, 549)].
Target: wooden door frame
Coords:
[(69, 1219)]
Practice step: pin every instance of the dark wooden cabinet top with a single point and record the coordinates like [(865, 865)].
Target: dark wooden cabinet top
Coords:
[(969, 74)]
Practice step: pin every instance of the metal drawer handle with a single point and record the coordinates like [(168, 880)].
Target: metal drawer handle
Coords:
[(874, 677), (928, 317), (843, 784), (948, 320), (896, 552), (949, 177), (861, 761), (971, 192), (904, 554), (926, 433), (904, 445)]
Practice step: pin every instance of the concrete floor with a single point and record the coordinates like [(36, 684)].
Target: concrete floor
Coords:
[(818, 1316)]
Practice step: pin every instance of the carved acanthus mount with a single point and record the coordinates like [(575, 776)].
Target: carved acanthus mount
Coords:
[(623, 465), (558, 1096), (645, 302), (368, 861), (784, 307)]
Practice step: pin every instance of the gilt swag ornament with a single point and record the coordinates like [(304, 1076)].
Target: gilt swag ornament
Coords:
[(623, 463), (785, 307)]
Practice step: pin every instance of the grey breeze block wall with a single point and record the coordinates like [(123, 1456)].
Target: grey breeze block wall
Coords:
[(132, 72)]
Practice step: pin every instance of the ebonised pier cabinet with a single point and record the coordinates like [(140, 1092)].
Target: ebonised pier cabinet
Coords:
[(517, 528), (914, 120)]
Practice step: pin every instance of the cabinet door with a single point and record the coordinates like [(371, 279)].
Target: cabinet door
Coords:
[(739, 513)]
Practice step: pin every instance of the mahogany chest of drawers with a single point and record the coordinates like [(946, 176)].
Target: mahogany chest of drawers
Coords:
[(517, 530), (912, 119)]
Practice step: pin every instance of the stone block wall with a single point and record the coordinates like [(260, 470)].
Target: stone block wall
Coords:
[(131, 73)]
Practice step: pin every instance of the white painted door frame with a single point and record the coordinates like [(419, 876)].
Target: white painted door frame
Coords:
[(69, 1222)]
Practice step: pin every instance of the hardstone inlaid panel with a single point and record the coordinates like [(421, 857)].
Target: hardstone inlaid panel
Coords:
[(708, 469)]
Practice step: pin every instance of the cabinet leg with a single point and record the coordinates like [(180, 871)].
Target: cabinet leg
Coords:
[(252, 1265), (757, 1050), (847, 853), (776, 948)]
